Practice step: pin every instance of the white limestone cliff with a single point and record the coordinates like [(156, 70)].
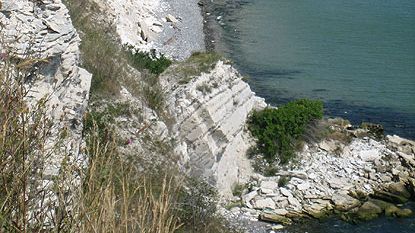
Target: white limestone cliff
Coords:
[(209, 116), (43, 30)]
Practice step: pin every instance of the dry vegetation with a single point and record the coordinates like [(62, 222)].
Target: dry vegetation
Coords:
[(110, 195), (196, 64), (111, 64)]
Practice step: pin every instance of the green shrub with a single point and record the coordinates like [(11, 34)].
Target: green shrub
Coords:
[(100, 120), (156, 65), (238, 189), (204, 88), (278, 130), (283, 181)]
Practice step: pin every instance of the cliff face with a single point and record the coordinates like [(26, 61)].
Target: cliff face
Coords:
[(42, 30), (209, 114)]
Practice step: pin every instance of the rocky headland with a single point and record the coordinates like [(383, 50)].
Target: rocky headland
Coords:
[(203, 122)]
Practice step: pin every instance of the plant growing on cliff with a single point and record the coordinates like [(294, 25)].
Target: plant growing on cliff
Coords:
[(196, 64), (150, 61), (24, 132), (278, 130)]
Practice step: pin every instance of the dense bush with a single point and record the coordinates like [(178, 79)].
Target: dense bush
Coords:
[(278, 130)]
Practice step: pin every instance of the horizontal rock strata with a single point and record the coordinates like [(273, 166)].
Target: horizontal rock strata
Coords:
[(209, 115)]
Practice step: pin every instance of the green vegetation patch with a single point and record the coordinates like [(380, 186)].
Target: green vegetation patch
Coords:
[(100, 120), (278, 130), (150, 61), (102, 55)]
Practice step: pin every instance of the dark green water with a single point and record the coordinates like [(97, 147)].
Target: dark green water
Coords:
[(379, 225), (358, 56)]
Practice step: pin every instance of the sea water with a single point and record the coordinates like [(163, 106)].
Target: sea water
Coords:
[(358, 56)]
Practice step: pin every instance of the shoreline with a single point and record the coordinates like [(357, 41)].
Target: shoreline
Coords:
[(334, 108), (358, 182), (213, 33), (211, 27), (208, 30)]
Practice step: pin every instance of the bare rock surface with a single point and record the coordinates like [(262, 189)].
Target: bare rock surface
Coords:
[(42, 30), (331, 180), (209, 124)]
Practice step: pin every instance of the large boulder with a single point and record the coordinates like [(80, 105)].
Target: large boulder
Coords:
[(266, 203), (368, 211), (401, 144), (392, 210), (375, 130), (389, 197), (399, 188), (344, 202), (318, 209)]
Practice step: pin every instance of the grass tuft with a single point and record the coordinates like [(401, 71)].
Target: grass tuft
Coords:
[(196, 64)]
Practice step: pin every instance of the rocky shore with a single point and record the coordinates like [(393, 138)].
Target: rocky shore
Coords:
[(357, 181)]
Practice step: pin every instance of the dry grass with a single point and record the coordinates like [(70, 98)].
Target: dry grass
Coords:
[(115, 199), (328, 129), (23, 152), (196, 64), (110, 195)]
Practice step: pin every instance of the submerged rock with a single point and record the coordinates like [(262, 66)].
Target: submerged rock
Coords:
[(368, 211), (275, 218)]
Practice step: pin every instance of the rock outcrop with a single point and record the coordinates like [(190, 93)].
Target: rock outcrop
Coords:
[(42, 31), (208, 117), (342, 181), (135, 21)]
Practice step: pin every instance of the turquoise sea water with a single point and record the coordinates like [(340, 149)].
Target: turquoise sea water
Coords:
[(358, 56)]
